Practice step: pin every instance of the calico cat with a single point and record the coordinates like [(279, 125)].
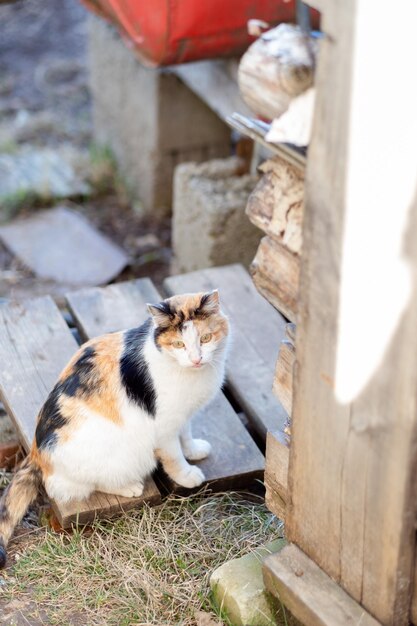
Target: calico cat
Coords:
[(124, 401)]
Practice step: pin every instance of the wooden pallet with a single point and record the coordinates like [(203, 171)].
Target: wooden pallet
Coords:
[(36, 343)]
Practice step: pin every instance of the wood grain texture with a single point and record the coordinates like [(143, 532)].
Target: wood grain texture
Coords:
[(35, 346), (123, 305), (104, 505), (413, 611), (284, 373), (311, 596), (212, 81), (235, 460), (274, 69), (276, 473), (256, 333), (352, 466), (275, 272), (276, 204)]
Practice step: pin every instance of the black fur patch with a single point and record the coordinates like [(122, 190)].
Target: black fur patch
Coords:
[(199, 312), (134, 370), (4, 511), (80, 383), (165, 308), (3, 555), (50, 419), (159, 330)]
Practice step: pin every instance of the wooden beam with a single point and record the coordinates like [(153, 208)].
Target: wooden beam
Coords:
[(35, 345), (352, 463), (311, 596), (213, 81), (276, 473), (284, 375)]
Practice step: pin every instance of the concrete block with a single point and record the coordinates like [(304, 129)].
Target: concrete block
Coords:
[(238, 589), (209, 222), (148, 117)]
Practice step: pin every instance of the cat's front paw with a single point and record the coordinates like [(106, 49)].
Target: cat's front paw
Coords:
[(190, 477), (131, 491), (197, 449)]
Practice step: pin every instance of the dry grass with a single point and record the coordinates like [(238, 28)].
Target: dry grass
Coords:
[(150, 567)]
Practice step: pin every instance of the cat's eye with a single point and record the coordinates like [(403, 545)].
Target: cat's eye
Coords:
[(178, 343), (206, 338)]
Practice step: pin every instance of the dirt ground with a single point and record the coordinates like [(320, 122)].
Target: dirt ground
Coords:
[(43, 48), (44, 97)]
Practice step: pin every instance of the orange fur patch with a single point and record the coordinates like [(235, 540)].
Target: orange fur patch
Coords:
[(108, 352), (106, 386), (41, 458)]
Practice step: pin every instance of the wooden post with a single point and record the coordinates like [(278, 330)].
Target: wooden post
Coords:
[(352, 487)]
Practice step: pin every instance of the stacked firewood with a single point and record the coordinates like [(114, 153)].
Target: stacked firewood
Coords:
[(276, 71), (276, 207), (276, 78)]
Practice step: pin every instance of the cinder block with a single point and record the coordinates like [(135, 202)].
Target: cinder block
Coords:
[(148, 117), (238, 589), (209, 222)]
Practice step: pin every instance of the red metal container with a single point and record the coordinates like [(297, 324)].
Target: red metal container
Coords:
[(166, 32)]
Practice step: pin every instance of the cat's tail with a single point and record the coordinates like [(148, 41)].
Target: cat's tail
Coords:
[(16, 499)]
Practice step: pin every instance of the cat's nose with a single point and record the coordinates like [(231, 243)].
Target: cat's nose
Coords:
[(196, 361)]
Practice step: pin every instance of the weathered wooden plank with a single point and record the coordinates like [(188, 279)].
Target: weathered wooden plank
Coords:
[(212, 81), (123, 305), (275, 272), (283, 380), (257, 332), (284, 371), (276, 473), (36, 344), (413, 611), (235, 459), (104, 505), (311, 596), (353, 453)]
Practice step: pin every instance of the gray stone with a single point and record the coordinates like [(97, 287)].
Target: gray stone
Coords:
[(61, 245), (149, 119), (43, 173), (209, 222), (238, 589), (42, 128)]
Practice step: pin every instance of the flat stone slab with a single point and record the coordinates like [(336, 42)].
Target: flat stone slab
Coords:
[(61, 245), (40, 172), (238, 588)]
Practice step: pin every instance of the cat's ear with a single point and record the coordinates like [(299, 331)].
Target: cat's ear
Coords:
[(161, 313), (210, 302)]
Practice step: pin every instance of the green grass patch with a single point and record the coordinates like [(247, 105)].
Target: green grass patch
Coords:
[(151, 566)]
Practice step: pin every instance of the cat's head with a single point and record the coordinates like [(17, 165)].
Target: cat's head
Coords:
[(190, 328)]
